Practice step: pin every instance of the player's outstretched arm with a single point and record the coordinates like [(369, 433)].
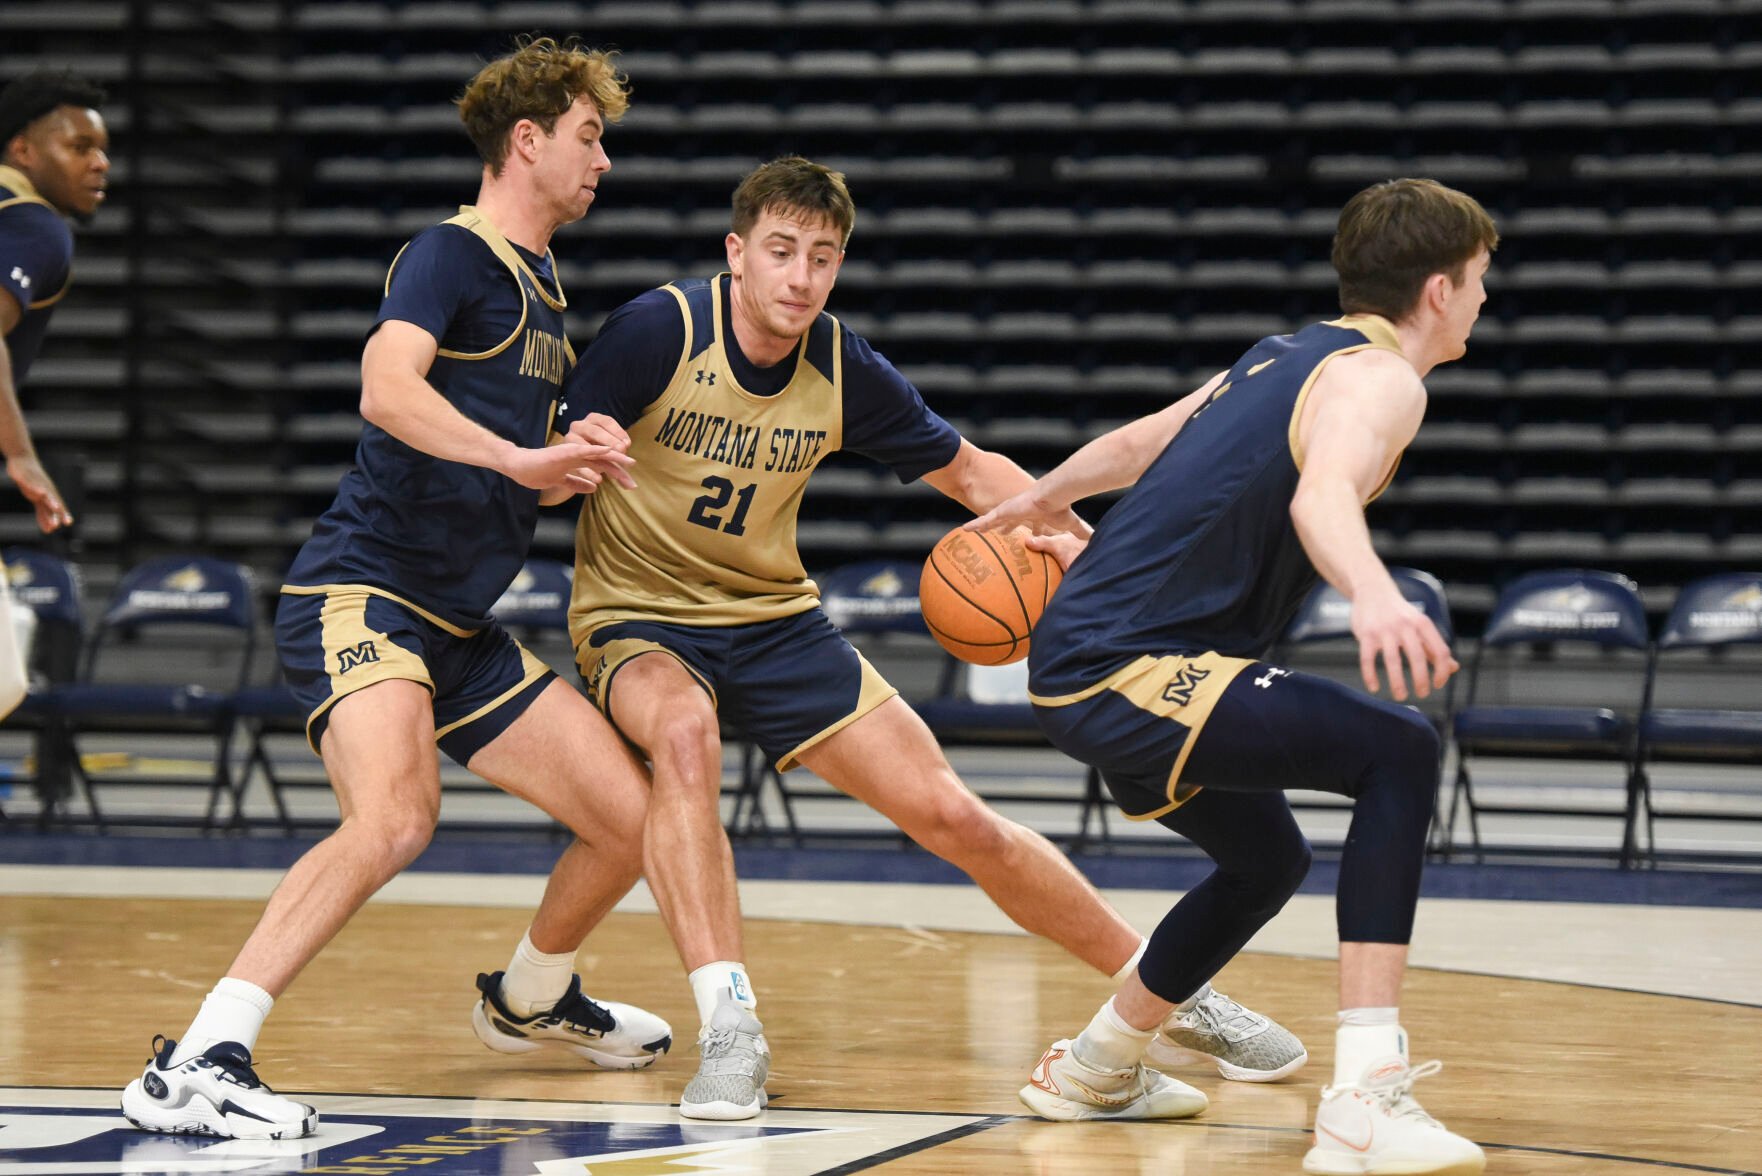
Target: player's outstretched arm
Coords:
[(1367, 408), (396, 396), (1109, 462), (22, 464), (596, 428)]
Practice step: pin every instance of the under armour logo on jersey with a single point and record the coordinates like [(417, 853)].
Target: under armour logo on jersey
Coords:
[(361, 654), (1180, 689), (704, 377), (23, 279), (1271, 675)]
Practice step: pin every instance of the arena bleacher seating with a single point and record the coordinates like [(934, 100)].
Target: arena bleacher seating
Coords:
[(1070, 211)]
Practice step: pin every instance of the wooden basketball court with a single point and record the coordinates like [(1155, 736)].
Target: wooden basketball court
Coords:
[(1552, 1079)]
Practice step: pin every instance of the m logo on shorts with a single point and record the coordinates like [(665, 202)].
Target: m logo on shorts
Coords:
[(1180, 689), (361, 654)]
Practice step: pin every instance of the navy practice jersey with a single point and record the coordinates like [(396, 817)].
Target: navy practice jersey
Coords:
[(36, 264), (443, 535), (723, 453), (1201, 554)]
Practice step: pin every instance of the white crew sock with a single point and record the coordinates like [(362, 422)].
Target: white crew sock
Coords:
[(1365, 1038), (709, 982), (1109, 1043), (535, 980), (233, 1011), (1131, 965)]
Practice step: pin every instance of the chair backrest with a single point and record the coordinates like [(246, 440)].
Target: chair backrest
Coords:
[(1710, 650), (1327, 615), (204, 611), (47, 584), (1576, 604), (538, 598), (1566, 637), (1717, 610), (875, 596)]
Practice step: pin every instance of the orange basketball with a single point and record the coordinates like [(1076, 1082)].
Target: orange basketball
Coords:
[(982, 592)]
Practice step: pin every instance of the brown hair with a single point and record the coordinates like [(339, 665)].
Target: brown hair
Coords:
[(1394, 235), (794, 184), (540, 80)]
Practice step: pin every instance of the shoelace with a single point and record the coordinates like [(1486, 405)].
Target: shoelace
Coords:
[(578, 1012), (582, 1013), (1220, 1013), (719, 1050), (1397, 1093)]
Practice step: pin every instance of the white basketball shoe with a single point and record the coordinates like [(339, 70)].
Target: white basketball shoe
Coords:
[(1244, 1045), (215, 1094), (1375, 1126), (1063, 1086), (730, 1078), (612, 1036)]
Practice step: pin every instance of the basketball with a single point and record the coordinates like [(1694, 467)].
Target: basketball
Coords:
[(983, 591)]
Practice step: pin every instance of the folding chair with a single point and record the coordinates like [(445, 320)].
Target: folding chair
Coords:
[(1527, 699), (46, 591), (1710, 650), (167, 657)]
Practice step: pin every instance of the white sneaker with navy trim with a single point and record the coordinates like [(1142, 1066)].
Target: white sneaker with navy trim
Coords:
[(215, 1094), (612, 1036)]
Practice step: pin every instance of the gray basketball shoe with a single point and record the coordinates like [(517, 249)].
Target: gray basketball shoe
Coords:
[(1244, 1045), (730, 1079)]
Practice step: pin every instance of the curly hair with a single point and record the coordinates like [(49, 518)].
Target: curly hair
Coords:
[(36, 94), (1394, 235), (540, 80)]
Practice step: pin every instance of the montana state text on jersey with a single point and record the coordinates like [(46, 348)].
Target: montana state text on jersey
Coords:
[(723, 452)]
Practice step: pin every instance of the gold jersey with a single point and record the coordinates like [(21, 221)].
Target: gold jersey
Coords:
[(709, 535)]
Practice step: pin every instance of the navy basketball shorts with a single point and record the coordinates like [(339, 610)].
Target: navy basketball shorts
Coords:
[(341, 638), (785, 684), (1139, 724)]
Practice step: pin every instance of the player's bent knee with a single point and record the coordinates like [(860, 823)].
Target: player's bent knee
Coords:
[(957, 825), (392, 842)]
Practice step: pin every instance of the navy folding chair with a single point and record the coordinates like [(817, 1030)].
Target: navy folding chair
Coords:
[(1709, 652), (49, 587), (167, 657), (1319, 641), (1526, 698)]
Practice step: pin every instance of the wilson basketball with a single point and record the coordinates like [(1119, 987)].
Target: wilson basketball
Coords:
[(982, 592)]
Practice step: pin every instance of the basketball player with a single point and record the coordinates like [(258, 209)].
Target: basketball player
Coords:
[(53, 163), (384, 629), (690, 600), (1144, 664)]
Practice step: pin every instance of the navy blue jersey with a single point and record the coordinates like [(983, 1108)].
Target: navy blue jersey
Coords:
[(36, 264), (1201, 555), (444, 535), (723, 451)]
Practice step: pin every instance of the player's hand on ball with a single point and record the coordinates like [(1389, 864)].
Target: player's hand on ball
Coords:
[(1060, 545)]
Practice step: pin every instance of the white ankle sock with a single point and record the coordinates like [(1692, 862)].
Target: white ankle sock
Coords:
[(1357, 1046), (535, 980), (1131, 965), (233, 1011), (709, 982), (1109, 1043)]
